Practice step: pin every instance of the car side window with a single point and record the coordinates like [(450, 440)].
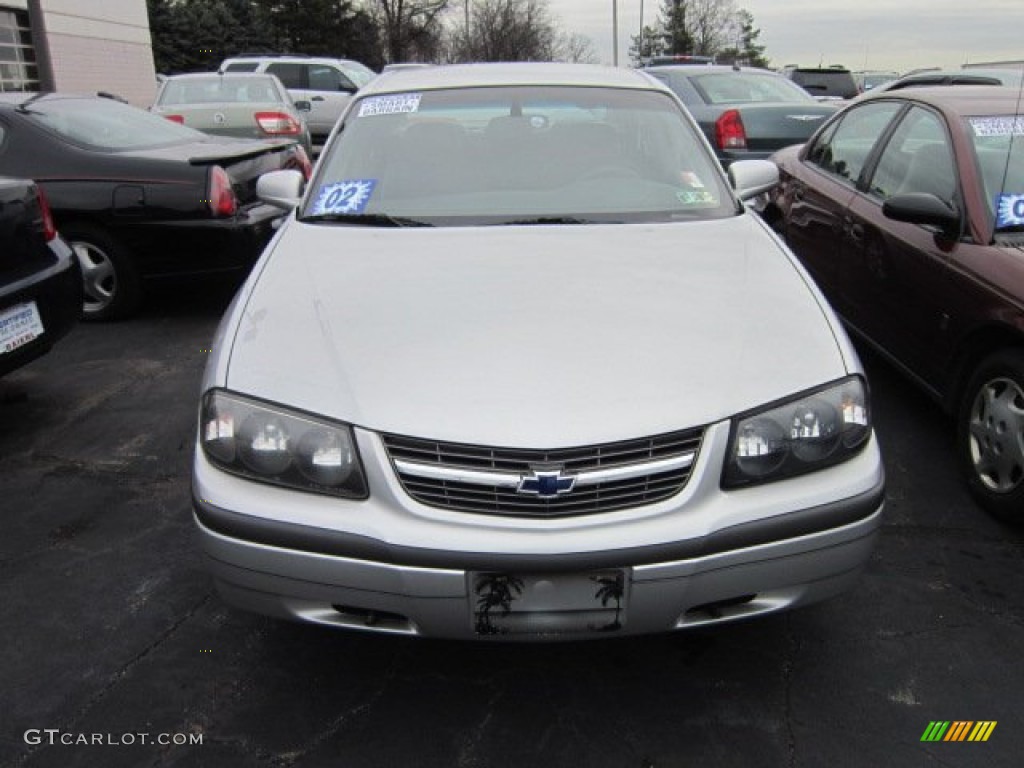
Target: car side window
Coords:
[(291, 74), (843, 150), (242, 66), (918, 158), (324, 78)]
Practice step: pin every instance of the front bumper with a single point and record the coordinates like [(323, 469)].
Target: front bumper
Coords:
[(781, 546)]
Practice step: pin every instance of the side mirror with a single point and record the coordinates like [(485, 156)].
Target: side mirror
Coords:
[(282, 189), (750, 178), (922, 208), (304, 106)]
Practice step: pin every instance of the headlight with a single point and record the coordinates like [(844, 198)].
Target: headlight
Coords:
[(272, 444), (809, 432)]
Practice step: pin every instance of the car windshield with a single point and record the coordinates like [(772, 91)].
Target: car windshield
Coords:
[(218, 89), (502, 155), (999, 146), (873, 81), (108, 124), (745, 87), (360, 74)]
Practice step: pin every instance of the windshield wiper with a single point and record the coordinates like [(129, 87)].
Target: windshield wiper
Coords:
[(365, 220), (548, 220)]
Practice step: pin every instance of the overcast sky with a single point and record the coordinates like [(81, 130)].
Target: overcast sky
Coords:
[(861, 34)]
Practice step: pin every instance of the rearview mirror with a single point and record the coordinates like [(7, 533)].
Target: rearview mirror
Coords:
[(282, 189), (750, 178), (922, 208), (304, 106)]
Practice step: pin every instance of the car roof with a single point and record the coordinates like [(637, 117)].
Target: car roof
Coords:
[(16, 98), (472, 75), (696, 71), (962, 99), (224, 75), (294, 57)]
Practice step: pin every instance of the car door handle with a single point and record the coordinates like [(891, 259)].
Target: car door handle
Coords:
[(856, 232), (317, 98)]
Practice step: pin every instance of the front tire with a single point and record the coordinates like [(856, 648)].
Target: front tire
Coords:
[(990, 435), (110, 282)]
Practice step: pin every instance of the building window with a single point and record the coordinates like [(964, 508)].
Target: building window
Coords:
[(18, 69)]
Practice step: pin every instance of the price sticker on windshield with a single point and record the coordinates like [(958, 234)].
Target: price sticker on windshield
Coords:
[(1009, 211), (349, 196), (1005, 125), (397, 104)]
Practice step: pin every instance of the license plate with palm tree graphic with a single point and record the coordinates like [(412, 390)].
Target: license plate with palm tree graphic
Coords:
[(544, 604)]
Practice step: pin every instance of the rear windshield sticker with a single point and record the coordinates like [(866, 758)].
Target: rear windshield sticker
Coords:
[(696, 197), (1007, 125), (349, 196), (399, 104), (1009, 211), (691, 179)]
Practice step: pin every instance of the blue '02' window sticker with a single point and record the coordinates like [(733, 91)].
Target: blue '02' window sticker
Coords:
[(349, 196), (1009, 211)]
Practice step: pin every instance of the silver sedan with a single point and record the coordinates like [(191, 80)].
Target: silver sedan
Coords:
[(520, 364)]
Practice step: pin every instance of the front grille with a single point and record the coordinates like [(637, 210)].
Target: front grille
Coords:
[(476, 497)]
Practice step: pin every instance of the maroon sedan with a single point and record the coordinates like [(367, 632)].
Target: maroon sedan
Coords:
[(908, 210)]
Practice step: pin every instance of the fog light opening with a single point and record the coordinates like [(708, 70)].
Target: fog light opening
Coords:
[(369, 618), (719, 609)]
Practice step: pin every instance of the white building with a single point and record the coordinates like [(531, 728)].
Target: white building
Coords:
[(78, 46)]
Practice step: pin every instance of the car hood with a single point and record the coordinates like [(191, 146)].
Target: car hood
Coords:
[(541, 336)]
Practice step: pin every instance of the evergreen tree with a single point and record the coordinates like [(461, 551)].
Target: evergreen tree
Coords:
[(675, 32)]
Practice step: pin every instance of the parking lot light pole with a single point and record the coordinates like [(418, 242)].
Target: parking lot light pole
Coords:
[(615, 33)]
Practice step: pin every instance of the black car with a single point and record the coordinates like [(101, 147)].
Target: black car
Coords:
[(1011, 77), (138, 197), (746, 113), (40, 285), (825, 83)]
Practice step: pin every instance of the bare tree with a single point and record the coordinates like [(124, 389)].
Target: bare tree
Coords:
[(576, 48), (711, 22), (410, 29), (514, 30), (699, 27)]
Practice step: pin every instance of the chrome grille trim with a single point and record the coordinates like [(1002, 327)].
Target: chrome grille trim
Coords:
[(510, 480), (486, 480)]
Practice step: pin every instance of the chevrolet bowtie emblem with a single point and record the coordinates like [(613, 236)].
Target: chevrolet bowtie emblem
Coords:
[(546, 484)]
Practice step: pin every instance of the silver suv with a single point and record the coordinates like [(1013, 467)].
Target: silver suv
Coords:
[(327, 83)]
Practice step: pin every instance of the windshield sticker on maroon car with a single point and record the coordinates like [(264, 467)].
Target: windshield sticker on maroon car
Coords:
[(1009, 211), (397, 104), (696, 197), (350, 196), (1006, 125)]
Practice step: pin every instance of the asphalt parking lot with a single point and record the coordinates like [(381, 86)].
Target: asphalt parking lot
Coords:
[(111, 629)]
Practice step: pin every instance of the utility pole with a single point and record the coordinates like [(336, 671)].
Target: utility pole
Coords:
[(615, 33), (640, 46)]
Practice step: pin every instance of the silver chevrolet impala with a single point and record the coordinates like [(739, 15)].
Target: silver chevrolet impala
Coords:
[(521, 364)]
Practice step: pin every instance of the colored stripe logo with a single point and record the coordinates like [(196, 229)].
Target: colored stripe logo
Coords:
[(959, 730)]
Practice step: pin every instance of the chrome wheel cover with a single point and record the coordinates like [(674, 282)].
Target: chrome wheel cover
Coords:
[(996, 435), (99, 279)]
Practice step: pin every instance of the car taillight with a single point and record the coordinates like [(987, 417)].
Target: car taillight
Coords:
[(49, 228), (277, 123), (729, 131), (301, 159), (176, 118), (222, 197)]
